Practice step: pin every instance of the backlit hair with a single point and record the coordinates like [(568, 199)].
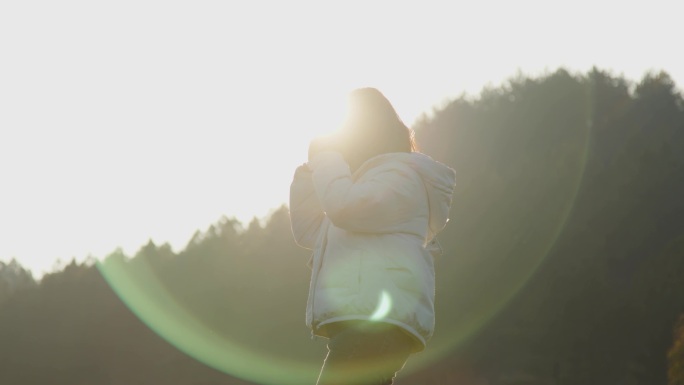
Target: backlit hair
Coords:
[(372, 127)]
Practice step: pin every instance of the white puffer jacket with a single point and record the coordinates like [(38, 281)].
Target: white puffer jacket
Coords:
[(372, 234)]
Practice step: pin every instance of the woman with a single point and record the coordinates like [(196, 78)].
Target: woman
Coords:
[(370, 207)]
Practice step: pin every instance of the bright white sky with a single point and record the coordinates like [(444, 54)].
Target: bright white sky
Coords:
[(126, 120)]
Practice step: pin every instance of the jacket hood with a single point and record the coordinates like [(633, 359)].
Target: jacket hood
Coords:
[(439, 180)]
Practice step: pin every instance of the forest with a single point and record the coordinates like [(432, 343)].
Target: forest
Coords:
[(563, 262)]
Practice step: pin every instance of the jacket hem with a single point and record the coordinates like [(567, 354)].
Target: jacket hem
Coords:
[(419, 341)]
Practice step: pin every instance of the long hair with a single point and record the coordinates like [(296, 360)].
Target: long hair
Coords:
[(372, 127)]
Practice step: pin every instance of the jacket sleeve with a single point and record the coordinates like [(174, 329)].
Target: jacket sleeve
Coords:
[(379, 204), (306, 214)]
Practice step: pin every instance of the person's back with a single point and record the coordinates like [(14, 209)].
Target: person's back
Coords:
[(370, 207)]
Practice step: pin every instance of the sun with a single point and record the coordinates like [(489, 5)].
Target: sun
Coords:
[(326, 113)]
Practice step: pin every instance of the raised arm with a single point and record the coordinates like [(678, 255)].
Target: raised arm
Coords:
[(380, 203), (306, 213)]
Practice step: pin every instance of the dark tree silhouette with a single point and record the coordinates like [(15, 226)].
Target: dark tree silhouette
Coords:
[(676, 356), (14, 278)]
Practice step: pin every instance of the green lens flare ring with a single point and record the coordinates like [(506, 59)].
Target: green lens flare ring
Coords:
[(138, 286)]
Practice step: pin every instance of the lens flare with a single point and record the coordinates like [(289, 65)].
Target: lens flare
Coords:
[(138, 286), (384, 307), (146, 296)]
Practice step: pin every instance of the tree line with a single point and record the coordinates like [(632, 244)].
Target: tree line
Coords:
[(563, 262)]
